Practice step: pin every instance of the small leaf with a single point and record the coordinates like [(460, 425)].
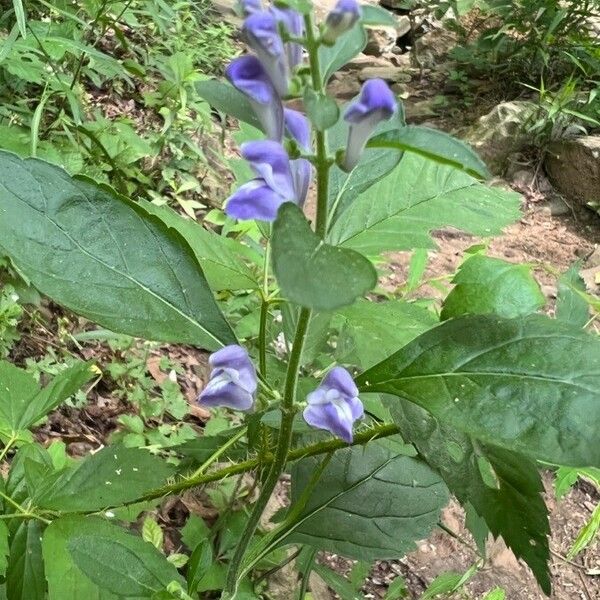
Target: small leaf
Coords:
[(151, 532), (375, 504), (111, 477), (322, 110), (485, 285), (530, 385), (178, 560), (346, 47), (25, 572), (587, 534), (571, 303), (495, 594), (226, 99), (435, 145), (312, 273)]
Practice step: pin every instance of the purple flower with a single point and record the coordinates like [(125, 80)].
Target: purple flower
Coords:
[(274, 184), (341, 19), (249, 77), (232, 380), (293, 23), (298, 127), (375, 104), (335, 404), (250, 6), (262, 34)]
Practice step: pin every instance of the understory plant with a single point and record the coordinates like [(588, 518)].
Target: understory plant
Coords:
[(377, 406)]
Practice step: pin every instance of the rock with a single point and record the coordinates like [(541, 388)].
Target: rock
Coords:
[(501, 133), (573, 167), (593, 260), (418, 112), (591, 278), (228, 8), (400, 89), (380, 40), (344, 89), (404, 26), (363, 61), (389, 74), (555, 207)]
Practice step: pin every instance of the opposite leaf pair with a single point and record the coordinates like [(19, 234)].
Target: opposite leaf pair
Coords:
[(333, 406)]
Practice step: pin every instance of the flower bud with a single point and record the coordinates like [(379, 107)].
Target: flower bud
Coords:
[(341, 19), (335, 405), (376, 103), (232, 381)]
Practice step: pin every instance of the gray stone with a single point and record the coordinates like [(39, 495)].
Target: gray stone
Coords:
[(573, 167), (363, 61), (501, 133), (380, 40), (390, 74), (593, 260)]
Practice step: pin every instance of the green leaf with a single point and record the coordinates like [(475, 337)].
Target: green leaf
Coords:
[(20, 16), (322, 110), (64, 385), (346, 47), (16, 484), (375, 504), (377, 15), (65, 580), (587, 534), (312, 273), (25, 572), (374, 164), (571, 304), (530, 385), (23, 403), (503, 488), (485, 285), (434, 145), (111, 261), (371, 331), (220, 257), (446, 583), (151, 532), (419, 195), (340, 585), (111, 477), (119, 562), (4, 548), (226, 99), (495, 594)]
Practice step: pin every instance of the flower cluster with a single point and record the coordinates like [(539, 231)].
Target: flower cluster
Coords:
[(264, 78), (333, 406)]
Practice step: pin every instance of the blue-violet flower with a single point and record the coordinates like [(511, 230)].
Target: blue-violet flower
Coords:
[(250, 6), (261, 197), (341, 19), (335, 404), (298, 127), (262, 34), (376, 103), (232, 381), (293, 23), (247, 74)]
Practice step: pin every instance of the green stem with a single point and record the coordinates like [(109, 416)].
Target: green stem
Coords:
[(264, 313), (280, 457), (306, 574), (7, 447), (377, 432)]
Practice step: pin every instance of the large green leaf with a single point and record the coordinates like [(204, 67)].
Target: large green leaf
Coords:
[(530, 385), (510, 502), (221, 258), (312, 273), (346, 47), (104, 257), (433, 144), (419, 195), (377, 15), (25, 573), (226, 99), (118, 562), (486, 285), (65, 580), (23, 402), (371, 331), (111, 477), (373, 503)]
